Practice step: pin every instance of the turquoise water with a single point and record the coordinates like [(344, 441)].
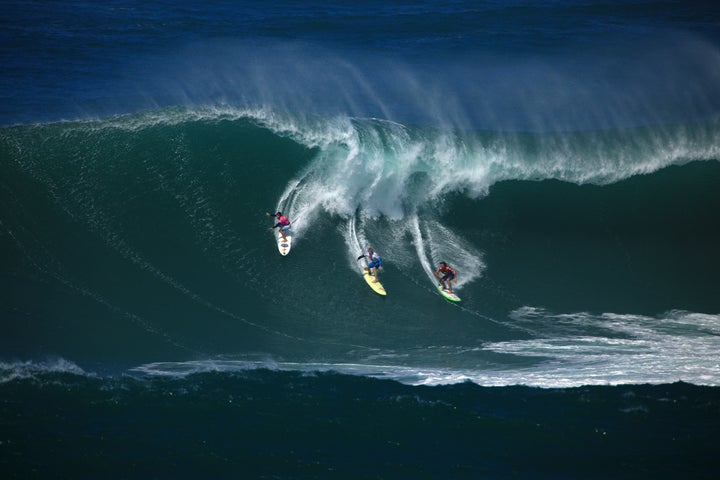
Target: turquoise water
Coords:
[(152, 330)]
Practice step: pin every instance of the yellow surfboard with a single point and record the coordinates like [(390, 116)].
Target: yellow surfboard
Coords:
[(376, 286)]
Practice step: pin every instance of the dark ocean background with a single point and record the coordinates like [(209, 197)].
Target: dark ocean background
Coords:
[(562, 156)]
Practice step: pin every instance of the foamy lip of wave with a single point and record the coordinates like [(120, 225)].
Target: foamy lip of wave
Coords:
[(24, 370), (387, 169), (372, 161), (311, 131)]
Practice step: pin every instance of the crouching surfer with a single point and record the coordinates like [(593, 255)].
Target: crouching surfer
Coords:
[(448, 275), (282, 223), (374, 262)]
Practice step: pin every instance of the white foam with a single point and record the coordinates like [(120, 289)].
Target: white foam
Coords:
[(386, 169), (587, 361), (371, 164), (568, 350), (587, 349), (34, 370)]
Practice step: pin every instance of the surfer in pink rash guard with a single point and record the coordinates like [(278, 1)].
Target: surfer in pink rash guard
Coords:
[(282, 223)]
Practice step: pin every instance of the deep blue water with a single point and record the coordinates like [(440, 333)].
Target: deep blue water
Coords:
[(562, 156)]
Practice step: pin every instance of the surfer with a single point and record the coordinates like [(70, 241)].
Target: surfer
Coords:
[(448, 274), (282, 223), (374, 262)]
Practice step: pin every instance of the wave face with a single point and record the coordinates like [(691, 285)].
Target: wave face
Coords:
[(561, 156), (150, 229)]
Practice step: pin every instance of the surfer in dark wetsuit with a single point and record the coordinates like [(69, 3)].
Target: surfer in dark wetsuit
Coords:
[(448, 274), (282, 223), (374, 261)]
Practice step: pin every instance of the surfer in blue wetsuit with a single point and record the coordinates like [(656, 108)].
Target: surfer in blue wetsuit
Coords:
[(374, 262), (282, 223), (448, 274)]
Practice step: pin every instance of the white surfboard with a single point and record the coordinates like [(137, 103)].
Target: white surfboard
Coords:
[(284, 246)]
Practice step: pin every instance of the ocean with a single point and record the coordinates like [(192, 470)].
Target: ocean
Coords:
[(562, 156)]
